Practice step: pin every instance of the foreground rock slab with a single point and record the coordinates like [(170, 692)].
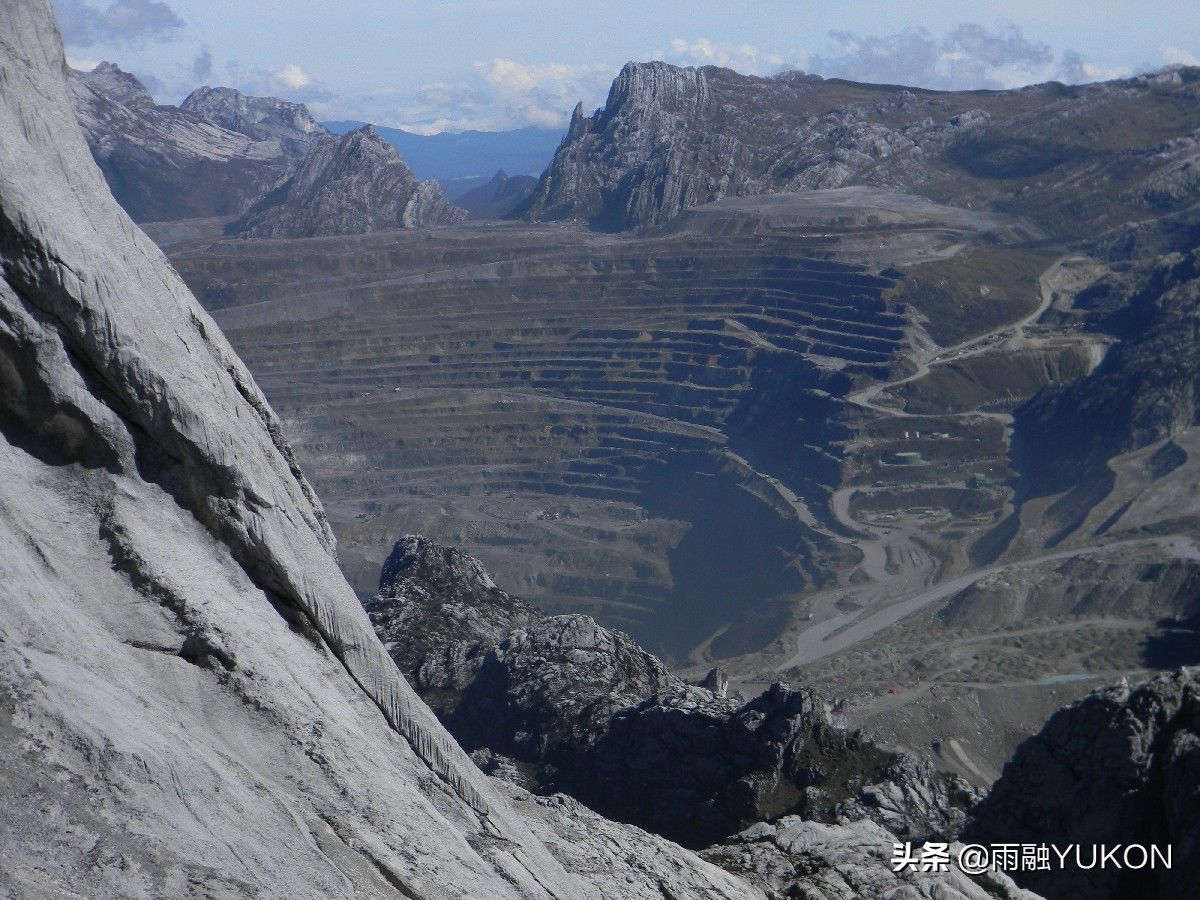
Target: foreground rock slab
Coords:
[(192, 701)]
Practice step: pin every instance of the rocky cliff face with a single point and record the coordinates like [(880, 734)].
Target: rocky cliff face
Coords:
[(1121, 766), (669, 138), (114, 84), (192, 698), (626, 166), (353, 184), (163, 162), (559, 703)]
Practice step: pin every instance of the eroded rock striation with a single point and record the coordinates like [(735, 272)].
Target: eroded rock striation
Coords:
[(1120, 767), (352, 184), (558, 703)]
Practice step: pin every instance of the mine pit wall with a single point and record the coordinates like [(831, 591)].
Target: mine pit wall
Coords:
[(604, 374), (994, 381)]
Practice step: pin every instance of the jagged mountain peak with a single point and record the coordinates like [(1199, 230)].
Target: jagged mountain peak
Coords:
[(367, 139), (117, 85), (562, 703), (1122, 761), (447, 570), (354, 183), (225, 153)]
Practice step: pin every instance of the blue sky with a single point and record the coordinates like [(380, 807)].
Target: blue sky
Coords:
[(433, 66)]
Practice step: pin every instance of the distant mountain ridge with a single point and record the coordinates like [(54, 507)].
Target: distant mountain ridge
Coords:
[(167, 162), (222, 153), (262, 118), (670, 138), (499, 197)]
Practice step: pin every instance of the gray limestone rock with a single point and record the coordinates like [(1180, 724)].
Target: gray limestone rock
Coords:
[(624, 862), (259, 118)]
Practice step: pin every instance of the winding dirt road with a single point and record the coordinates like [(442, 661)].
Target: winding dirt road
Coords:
[(904, 578)]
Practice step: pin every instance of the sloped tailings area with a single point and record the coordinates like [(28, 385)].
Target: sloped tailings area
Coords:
[(558, 703)]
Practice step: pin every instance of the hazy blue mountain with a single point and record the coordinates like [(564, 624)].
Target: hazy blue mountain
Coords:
[(469, 157), (496, 198)]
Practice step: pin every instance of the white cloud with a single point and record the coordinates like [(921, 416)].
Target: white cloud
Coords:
[(289, 81), (969, 56), (82, 63), (1179, 57), (741, 57), (129, 22), (502, 93), (292, 76), (541, 94)]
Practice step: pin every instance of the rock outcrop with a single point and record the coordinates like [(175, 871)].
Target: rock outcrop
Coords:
[(670, 138), (192, 700), (795, 858), (558, 703), (1120, 767), (353, 184)]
